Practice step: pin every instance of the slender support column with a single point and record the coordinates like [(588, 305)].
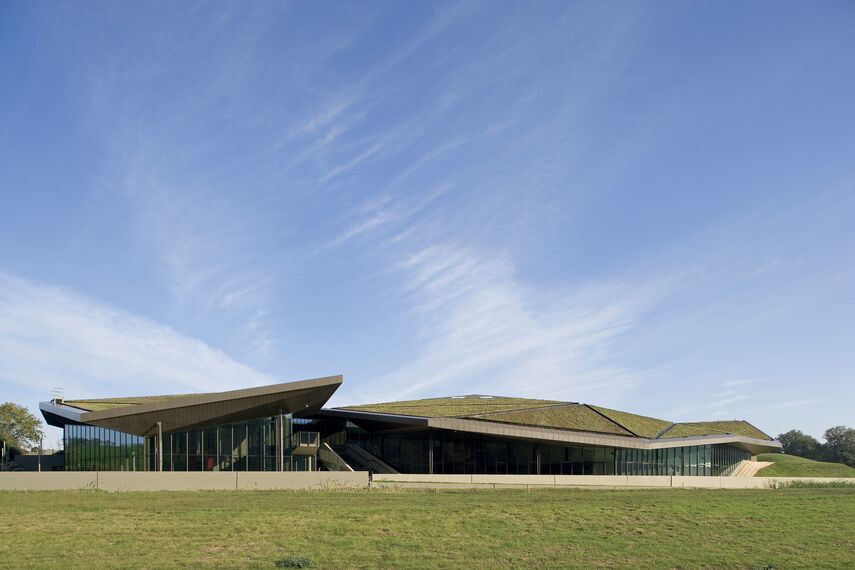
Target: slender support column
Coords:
[(159, 447), (430, 451), (282, 444), (278, 429)]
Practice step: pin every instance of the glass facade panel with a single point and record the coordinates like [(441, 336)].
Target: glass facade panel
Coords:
[(241, 446), (244, 446), (251, 446), (442, 451), (90, 448)]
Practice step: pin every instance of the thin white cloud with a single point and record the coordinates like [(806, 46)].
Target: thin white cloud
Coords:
[(483, 333), (727, 399), (744, 382), (51, 336), (790, 404), (328, 114), (381, 211), (353, 162), (206, 244)]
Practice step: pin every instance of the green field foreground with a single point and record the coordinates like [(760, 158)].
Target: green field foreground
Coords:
[(793, 466), (491, 529)]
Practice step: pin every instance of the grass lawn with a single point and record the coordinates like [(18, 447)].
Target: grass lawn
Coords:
[(549, 528), (792, 466)]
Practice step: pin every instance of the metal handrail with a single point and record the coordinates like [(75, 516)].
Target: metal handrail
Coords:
[(306, 439)]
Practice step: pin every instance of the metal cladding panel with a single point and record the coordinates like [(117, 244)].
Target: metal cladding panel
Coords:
[(59, 415), (372, 421), (299, 398)]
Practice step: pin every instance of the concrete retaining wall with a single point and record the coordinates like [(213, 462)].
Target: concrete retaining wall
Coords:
[(48, 480), (631, 481), (264, 481), (186, 481), (269, 481)]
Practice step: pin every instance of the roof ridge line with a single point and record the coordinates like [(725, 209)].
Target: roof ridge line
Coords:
[(479, 414), (596, 411), (713, 431), (539, 426), (663, 431), (758, 429), (770, 438)]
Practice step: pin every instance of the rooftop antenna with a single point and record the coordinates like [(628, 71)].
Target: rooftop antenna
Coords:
[(56, 395)]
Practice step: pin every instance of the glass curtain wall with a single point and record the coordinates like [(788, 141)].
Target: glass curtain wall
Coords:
[(91, 448), (443, 451), (240, 446), (697, 460)]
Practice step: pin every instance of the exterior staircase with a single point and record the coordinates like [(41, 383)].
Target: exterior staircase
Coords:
[(360, 459), (331, 460), (748, 468)]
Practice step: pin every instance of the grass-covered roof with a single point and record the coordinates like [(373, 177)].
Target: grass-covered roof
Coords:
[(520, 411), (558, 415), (736, 427), (570, 416), (112, 403), (642, 426), (455, 406)]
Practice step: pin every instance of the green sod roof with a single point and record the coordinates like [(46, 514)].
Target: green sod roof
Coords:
[(736, 427), (520, 411), (569, 416), (455, 406), (112, 403), (642, 426), (557, 415)]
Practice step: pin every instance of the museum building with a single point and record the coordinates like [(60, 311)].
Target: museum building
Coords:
[(285, 427)]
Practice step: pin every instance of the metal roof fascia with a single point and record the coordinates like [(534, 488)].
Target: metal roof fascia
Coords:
[(375, 416), (211, 397)]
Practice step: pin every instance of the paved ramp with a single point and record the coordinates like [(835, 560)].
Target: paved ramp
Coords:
[(749, 468)]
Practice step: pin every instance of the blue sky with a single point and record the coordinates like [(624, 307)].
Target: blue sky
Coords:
[(648, 206)]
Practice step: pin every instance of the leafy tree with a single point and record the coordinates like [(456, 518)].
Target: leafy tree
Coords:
[(18, 427), (840, 445), (797, 443)]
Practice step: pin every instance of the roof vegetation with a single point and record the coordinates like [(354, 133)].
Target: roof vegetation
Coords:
[(735, 427), (570, 416), (642, 426), (520, 411), (112, 403), (455, 406), (558, 415)]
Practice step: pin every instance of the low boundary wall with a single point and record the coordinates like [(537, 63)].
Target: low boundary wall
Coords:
[(604, 481), (183, 481), (272, 481)]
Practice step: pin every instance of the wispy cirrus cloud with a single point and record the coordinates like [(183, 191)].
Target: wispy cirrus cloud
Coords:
[(384, 210), (482, 332), (790, 404), (726, 398), (209, 246), (743, 382), (51, 336)]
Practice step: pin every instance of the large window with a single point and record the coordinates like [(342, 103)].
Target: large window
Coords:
[(242, 446), (90, 448), (689, 460)]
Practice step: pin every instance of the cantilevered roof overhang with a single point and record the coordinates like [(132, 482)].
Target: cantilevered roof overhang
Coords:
[(302, 398), (548, 435)]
